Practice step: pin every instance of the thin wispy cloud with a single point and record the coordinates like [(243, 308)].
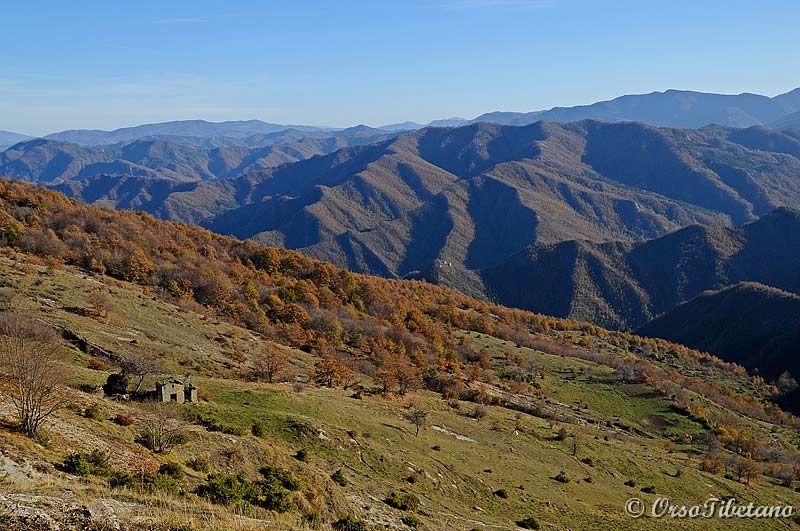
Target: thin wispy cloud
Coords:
[(181, 20), (487, 4)]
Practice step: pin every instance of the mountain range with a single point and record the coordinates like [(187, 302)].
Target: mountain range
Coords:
[(671, 108), (8, 138), (613, 222), (445, 204)]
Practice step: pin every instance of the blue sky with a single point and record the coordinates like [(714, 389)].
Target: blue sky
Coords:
[(111, 64)]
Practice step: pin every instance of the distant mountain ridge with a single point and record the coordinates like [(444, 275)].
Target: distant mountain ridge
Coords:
[(189, 128), (670, 108), (751, 324), (681, 109), (625, 285), (7, 138)]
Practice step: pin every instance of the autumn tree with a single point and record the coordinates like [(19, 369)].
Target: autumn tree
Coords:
[(400, 371), (98, 305), (269, 363), (328, 370), (30, 375)]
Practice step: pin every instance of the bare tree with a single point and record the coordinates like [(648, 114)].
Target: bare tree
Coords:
[(140, 364), (30, 375), (163, 429), (417, 417), (269, 364)]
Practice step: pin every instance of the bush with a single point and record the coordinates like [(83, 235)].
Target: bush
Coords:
[(301, 455), (528, 523), (284, 478), (404, 501), (501, 493), (479, 412), (96, 364), (312, 520), (561, 477), (93, 412), (120, 479), (630, 483), (258, 429), (198, 464), (339, 478), (116, 384), (348, 523), (124, 420), (173, 470), (649, 490), (94, 463), (411, 521), (229, 490), (587, 461), (163, 483)]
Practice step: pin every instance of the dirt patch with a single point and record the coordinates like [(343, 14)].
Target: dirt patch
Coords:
[(655, 421)]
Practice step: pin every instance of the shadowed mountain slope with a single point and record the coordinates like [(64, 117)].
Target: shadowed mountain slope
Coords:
[(624, 285), (471, 197), (748, 323)]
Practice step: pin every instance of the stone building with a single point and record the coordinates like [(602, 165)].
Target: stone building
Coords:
[(174, 390)]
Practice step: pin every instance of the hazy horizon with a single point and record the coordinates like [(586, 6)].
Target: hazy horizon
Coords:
[(107, 66)]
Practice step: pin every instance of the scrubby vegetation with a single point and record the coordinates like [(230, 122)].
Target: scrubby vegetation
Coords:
[(466, 407)]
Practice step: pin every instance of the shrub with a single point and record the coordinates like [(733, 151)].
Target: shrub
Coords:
[(275, 498), (163, 483), (312, 520), (94, 463), (630, 483), (404, 501), (273, 474), (124, 420), (528, 523), (501, 493), (275, 489), (119, 479), (198, 464), (339, 478), (561, 477), (96, 364), (649, 490), (479, 412), (258, 429), (411, 521), (229, 490), (348, 523), (301, 455), (587, 461), (116, 384), (173, 470), (93, 412)]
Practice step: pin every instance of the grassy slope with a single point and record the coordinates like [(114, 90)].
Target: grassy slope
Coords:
[(369, 439)]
